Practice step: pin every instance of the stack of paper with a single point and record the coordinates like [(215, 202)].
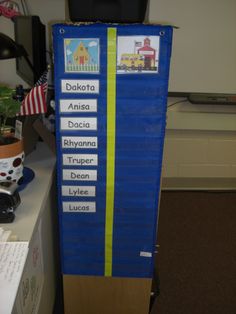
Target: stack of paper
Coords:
[(4, 235)]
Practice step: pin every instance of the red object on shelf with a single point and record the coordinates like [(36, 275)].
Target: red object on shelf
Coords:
[(9, 9)]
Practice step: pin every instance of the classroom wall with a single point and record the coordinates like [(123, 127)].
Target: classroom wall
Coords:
[(200, 141), (188, 153), (199, 154), (203, 58)]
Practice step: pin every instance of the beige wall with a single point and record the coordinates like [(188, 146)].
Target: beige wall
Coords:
[(204, 46), (200, 140), (199, 154)]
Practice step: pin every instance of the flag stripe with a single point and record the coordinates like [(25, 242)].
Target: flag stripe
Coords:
[(31, 102), (35, 100), (42, 101)]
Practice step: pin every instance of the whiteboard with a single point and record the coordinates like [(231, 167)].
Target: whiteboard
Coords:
[(204, 47)]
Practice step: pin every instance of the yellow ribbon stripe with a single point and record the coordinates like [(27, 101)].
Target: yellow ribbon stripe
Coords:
[(111, 137)]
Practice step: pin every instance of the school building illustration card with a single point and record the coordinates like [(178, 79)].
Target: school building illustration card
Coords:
[(81, 55), (137, 54)]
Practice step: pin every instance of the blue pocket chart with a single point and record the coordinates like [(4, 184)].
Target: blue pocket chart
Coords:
[(111, 84)]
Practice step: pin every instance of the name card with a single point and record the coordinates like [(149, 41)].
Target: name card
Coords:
[(76, 190), (79, 142), (80, 86), (80, 159), (79, 175), (78, 105), (78, 124), (79, 207)]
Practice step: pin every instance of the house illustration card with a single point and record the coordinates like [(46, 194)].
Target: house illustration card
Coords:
[(81, 55), (138, 54)]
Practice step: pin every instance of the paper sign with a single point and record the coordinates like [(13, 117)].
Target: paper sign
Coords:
[(18, 129), (79, 142), (12, 261), (32, 281), (84, 207), (79, 123), (79, 175), (78, 105), (80, 159), (80, 86), (76, 190)]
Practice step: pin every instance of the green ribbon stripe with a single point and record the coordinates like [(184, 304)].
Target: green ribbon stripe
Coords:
[(111, 137)]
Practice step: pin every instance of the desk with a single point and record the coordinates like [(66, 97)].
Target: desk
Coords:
[(34, 223)]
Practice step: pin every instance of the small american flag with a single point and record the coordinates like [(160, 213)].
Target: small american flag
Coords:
[(35, 101)]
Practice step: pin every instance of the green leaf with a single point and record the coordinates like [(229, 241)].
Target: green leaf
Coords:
[(9, 107)]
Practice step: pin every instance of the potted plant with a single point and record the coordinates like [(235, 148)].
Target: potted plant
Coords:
[(11, 148)]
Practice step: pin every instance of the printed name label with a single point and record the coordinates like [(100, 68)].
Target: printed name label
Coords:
[(75, 190), (80, 86), (78, 105), (79, 175), (80, 159), (78, 124), (79, 142), (79, 207)]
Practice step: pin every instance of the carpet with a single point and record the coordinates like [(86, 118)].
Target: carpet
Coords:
[(196, 260)]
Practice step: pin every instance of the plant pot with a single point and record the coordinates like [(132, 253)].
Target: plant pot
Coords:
[(11, 161)]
